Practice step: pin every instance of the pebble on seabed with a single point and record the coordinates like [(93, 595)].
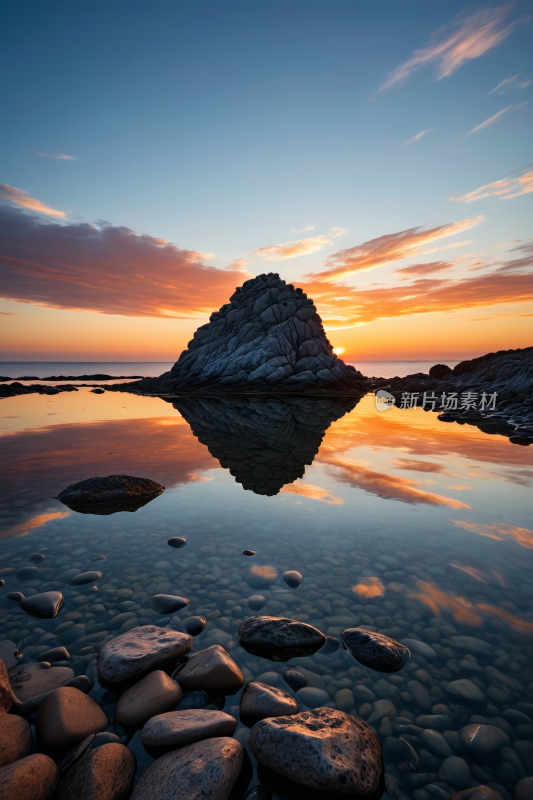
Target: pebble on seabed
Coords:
[(2, 583), (256, 602), (86, 577), (176, 541), (194, 625), (43, 606), (36, 558), (375, 650), (292, 578), (168, 603), (249, 552), (15, 596), (28, 574), (295, 679)]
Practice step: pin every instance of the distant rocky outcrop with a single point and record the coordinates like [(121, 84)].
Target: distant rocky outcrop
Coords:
[(264, 442), (268, 339)]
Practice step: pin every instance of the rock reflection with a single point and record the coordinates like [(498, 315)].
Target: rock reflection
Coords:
[(265, 444), (104, 509)]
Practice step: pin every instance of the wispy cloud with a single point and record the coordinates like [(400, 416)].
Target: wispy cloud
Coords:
[(417, 137), (489, 121), (21, 198), (451, 46), (309, 228), (280, 252), (502, 84), (504, 189), (510, 84), (107, 269), (415, 270), (61, 156), (389, 248)]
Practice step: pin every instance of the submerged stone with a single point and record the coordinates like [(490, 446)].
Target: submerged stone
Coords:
[(16, 597), (249, 552), (168, 603), (279, 638), (375, 650), (183, 727), (28, 574), (293, 579), (43, 606), (36, 558), (194, 699), (295, 679), (55, 654), (177, 541), (195, 625), (256, 602), (86, 577), (139, 650)]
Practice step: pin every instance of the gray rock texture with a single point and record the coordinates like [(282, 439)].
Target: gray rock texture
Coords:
[(178, 728), (268, 339), (375, 650), (112, 489), (206, 770), (324, 749), (259, 700), (139, 650), (284, 638), (265, 443)]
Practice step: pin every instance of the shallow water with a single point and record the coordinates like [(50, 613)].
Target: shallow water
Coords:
[(400, 523)]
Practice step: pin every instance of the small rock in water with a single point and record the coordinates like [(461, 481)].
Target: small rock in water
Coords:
[(168, 603), (259, 700), (66, 717), (98, 557), (113, 488), (177, 541), (82, 682), (28, 574), (32, 778), (55, 654), (217, 765), (420, 648), (295, 679), (195, 699), (331, 645), (139, 650), (324, 749), (195, 625), (212, 669), (482, 740), (312, 697), (375, 650), (278, 638), (179, 728), (86, 577), (249, 552), (36, 558), (152, 695), (15, 596), (292, 578), (43, 606), (256, 602), (2, 583), (466, 691)]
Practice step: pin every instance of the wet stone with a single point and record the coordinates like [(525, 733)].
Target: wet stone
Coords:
[(482, 740), (105, 773), (295, 679), (66, 717), (256, 602), (249, 552), (420, 648), (465, 691), (293, 579), (55, 654), (279, 638), (28, 574), (86, 577), (177, 542), (183, 727), (43, 606), (139, 650), (312, 697), (36, 558), (15, 739), (211, 669), (195, 625), (32, 681), (113, 488), (15, 596), (195, 699), (375, 650), (259, 700), (152, 695), (81, 682), (7, 653), (167, 603), (483, 793), (34, 777)]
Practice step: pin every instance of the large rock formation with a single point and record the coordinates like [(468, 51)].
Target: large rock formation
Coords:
[(264, 442), (268, 339)]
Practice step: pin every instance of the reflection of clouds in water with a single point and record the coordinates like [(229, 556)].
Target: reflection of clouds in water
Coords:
[(386, 486), (416, 466), (478, 574), (369, 587), (500, 531), (35, 522), (312, 493)]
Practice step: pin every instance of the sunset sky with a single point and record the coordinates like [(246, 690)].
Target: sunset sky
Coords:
[(155, 156)]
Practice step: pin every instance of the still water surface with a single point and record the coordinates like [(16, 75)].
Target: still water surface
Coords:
[(400, 524)]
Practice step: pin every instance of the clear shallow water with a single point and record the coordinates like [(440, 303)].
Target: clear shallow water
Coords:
[(400, 524)]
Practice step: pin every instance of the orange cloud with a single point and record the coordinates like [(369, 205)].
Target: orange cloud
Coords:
[(417, 466), (504, 189), (312, 493), (388, 248), (369, 587), (389, 487), (108, 269), (21, 198), (35, 522), (415, 270), (499, 531), (451, 46), (280, 252)]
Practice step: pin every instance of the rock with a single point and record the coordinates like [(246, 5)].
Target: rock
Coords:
[(469, 644), (15, 739), (195, 625), (420, 648), (420, 697), (206, 770), (482, 740), (112, 489), (435, 743), (249, 552), (331, 645), (6, 693), (28, 574), (279, 638), (66, 717), (34, 777), (293, 579), (43, 606), (296, 680), (259, 700), (344, 700), (211, 669), (32, 683), (139, 650), (177, 542), (375, 650), (7, 653), (523, 790), (455, 772), (382, 708), (16, 597), (55, 654), (81, 682), (312, 697), (152, 695), (256, 602), (267, 339), (465, 691), (168, 603), (482, 793), (178, 728), (86, 577), (195, 699), (73, 755), (105, 773), (324, 749), (439, 371), (36, 558)]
